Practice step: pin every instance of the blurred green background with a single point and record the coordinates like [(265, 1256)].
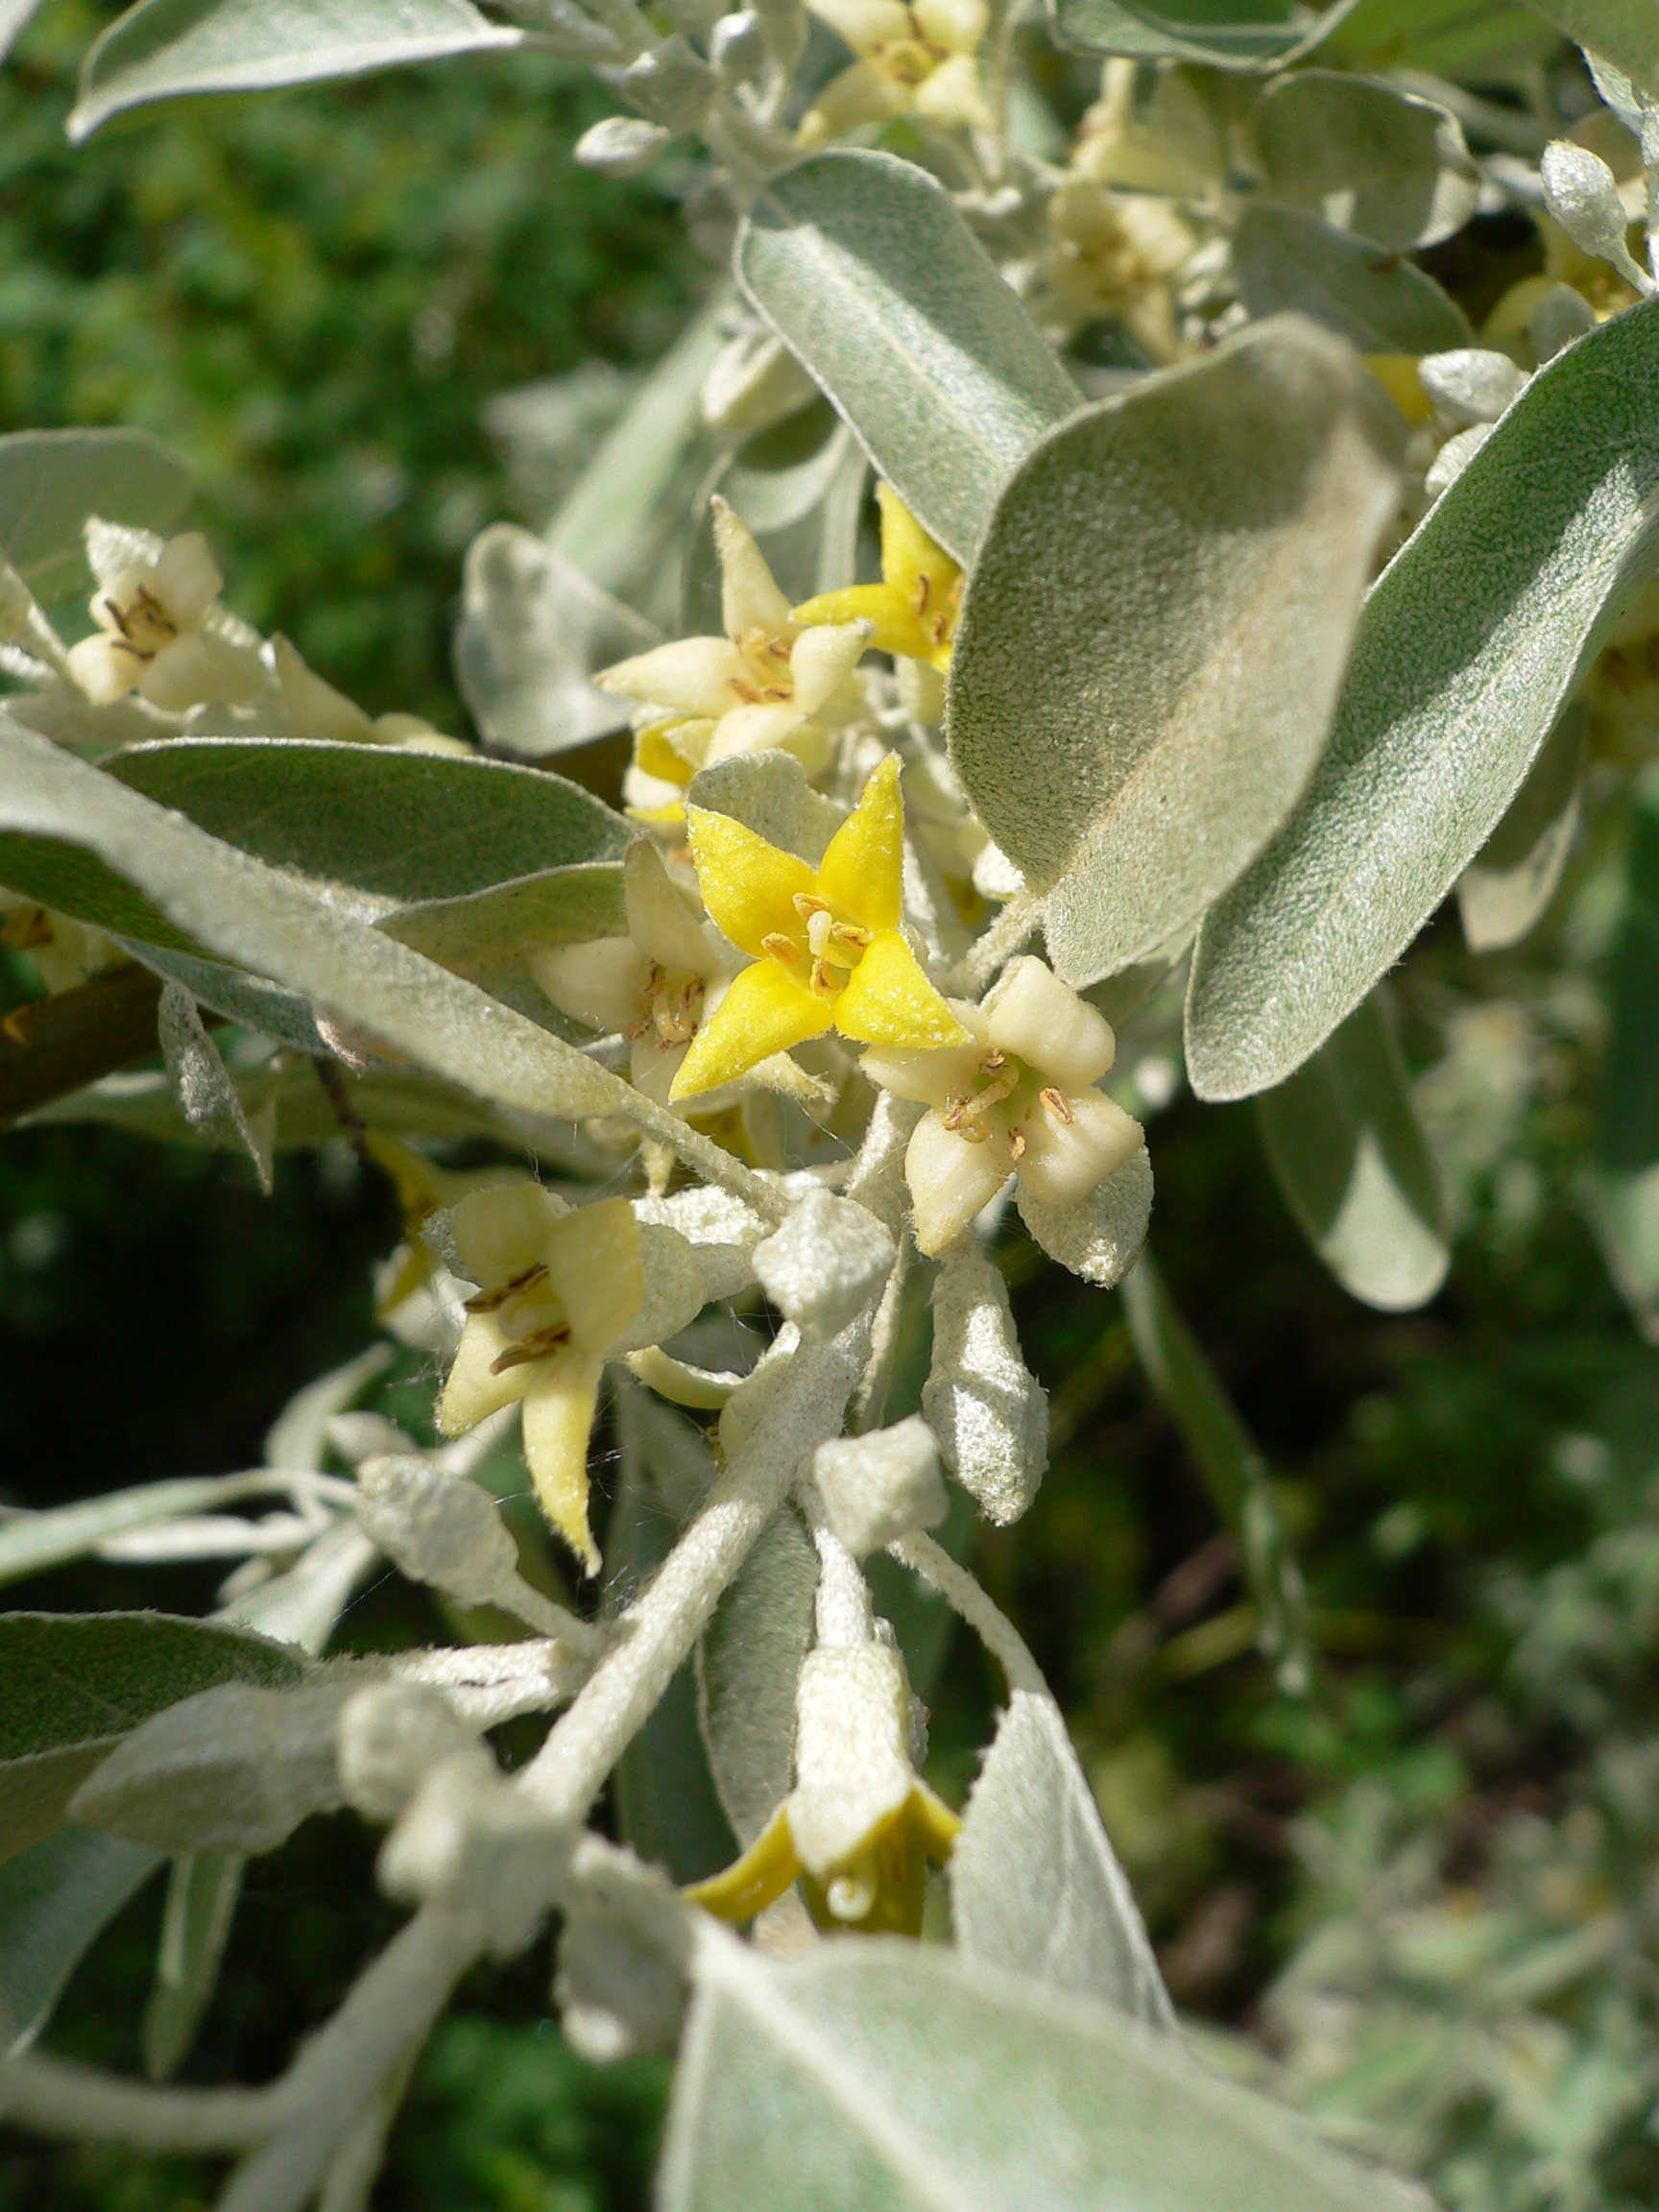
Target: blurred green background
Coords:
[(1424, 1894)]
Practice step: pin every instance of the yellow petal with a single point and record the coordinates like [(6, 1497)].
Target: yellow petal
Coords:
[(932, 1823), (748, 886), (473, 1391), (558, 1403), (862, 872), (655, 753), (502, 1229), (895, 628), (888, 1000), (764, 1011), (1397, 374), (750, 1883), (595, 1266)]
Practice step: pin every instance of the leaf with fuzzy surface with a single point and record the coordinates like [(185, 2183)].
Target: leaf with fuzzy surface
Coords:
[(870, 276), (1470, 644), (1153, 642), (1284, 258), (163, 49), (1246, 34), (1398, 162), (55, 1900), (51, 480)]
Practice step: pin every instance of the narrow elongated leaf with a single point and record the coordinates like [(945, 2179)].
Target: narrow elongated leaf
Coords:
[(202, 1892), (1354, 1166), (404, 825), (76, 1683), (1284, 258), (1230, 1466), (897, 2077), (1624, 31), (72, 880), (1470, 644), (31, 1543), (1152, 643), (1036, 1887), (748, 1659), (1494, 42), (1507, 887), (208, 1096), (246, 1000), (1372, 159), (1222, 33), (256, 914), (56, 1898), (870, 276), (14, 16), (164, 48), (1625, 1195), (51, 480)]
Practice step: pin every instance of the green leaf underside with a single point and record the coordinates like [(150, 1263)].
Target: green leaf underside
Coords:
[(1507, 887), (1469, 645), (1224, 33), (406, 826), (244, 999), (55, 1900), (558, 907), (1152, 643), (76, 1683), (1035, 1885), (164, 48), (1488, 40), (1354, 1166), (868, 273), (1286, 258), (52, 480), (1400, 162), (748, 1662), (1624, 32), (897, 2078)]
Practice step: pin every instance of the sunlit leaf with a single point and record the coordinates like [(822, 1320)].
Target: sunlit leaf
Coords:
[(1152, 643), (52, 480), (1381, 162), (1223, 34), (1469, 646)]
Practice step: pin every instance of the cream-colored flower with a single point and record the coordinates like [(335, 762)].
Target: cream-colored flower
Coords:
[(1018, 1100), (769, 684), (1114, 255), (65, 951), (559, 1289), (154, 635), (316, 709), (859, 1825), (921, 60), (656, 985)]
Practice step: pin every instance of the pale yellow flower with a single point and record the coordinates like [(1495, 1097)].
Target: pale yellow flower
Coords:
[(153, 638), (921, 61)]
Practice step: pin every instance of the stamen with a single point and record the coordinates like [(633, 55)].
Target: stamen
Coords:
[(541, 1346), (490, 1301), (1017, 1144), (1055, 1103), (825, 983), (806, 903), (919, 596), (854, 939), (780, 948)]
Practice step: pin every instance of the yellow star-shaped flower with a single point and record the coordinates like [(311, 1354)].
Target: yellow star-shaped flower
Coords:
[(913, 608), (826, 943)]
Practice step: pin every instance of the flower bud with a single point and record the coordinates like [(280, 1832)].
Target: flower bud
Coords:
[(1470, 384), (1582, 195), (827, 1260), (988, 1410), (470, 1841), (437, 1528), (671, 85), (882, 1486), (737, 49), (620, 146), (851, 1750)]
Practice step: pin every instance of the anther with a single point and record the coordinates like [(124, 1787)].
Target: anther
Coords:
[(780, 948), (1055, 1103)]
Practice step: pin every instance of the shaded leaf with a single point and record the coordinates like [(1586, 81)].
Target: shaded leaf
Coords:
[(202, 1892), (800, 488), (533, 631), (1374, 161), (52, 480), (1230, 1466), (748, 1659), (895, 2076), (1507, 887), (78, 1683), (55, 1899), (164, 48), (247, 1000), (1354, 1166), (1284, 258), (1224, 33), (1469, 645), (31, 1542), (1152, 643), (1625, 1192), (1036, 1888), (478, 935), (53, 1045), (873, 280), (1626, 31), (208, 1097)]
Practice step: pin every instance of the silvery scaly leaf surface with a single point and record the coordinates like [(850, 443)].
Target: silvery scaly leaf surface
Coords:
[(870, 276), (1623, 31), (208, 1097), (51, 480), (1470, 644), (1381, 163), (1353, 1166), (747, 1663), (1221, 37), (1118, 741), (163, 49)]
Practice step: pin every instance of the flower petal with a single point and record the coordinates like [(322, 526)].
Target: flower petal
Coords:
[(691, 677), (862, 872), (888, 1000), (753, 729), (750, 1883), (748, 885), (916, 568), (198, 668), (185, 579), (764, 1011), (473, 1391), (660, 750), (1044, 1022), (933, 1077), (951, 1180), (865, 23), (594, 1261), (1064, 1161), (105, 668), (601, 982), (662, 919), (951, 96), (749, 600), (824, 659), (502, 1229), (559, 1405)]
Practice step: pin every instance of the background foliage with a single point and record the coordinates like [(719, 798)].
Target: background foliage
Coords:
[(315, 297)]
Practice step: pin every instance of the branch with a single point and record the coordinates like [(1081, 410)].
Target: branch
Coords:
[(967, 1596), (77, 2103)]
